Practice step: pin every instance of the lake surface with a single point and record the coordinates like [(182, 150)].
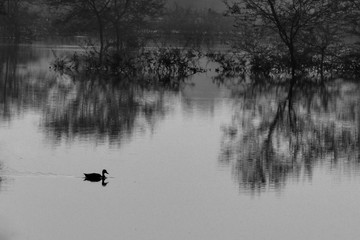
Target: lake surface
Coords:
[(209, 160)]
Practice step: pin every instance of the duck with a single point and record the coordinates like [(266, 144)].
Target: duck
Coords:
[(96, 177)]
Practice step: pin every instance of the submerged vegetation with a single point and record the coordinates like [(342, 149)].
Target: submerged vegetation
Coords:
[(274, 67), (163, 65)]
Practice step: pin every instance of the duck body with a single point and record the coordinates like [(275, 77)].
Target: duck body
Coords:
[(95, 177)]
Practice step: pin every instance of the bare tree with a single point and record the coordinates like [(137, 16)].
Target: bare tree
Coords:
[(110, 15), (96, 7), (289, 20), (127, 17), (353, 16)]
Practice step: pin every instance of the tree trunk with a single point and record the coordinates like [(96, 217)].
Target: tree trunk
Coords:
[(117, 31), (322, 64), (293, 62), (101, 37)]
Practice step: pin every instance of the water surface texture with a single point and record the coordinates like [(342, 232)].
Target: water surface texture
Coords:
[(208, 160)]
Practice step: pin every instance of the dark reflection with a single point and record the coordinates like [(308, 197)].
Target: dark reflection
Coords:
[(77, 107), (23, 81), (101, 111), (8, 83), (2, 178), (103, 183), (279, 133)]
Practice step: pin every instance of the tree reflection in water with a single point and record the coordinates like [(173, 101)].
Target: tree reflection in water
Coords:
[(8, 83), (78, 107), (94, 108), (278, 133), (23, 81)]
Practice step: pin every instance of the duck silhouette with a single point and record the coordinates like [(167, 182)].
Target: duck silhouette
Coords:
[(95, 177)]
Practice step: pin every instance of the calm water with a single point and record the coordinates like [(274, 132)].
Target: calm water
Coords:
[(204, 161)]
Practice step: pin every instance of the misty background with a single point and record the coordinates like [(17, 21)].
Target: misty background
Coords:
[(217, 5)]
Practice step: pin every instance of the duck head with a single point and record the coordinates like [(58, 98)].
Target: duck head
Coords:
[(103, 172)]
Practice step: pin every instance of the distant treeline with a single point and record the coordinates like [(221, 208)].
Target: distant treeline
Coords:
[(29, 20), (278, 40)]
